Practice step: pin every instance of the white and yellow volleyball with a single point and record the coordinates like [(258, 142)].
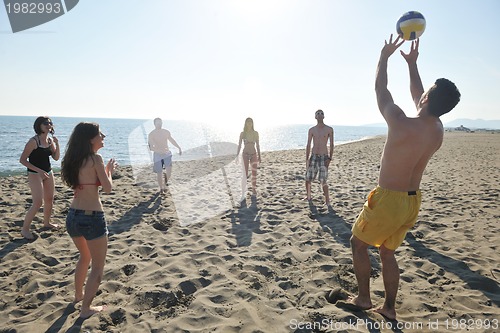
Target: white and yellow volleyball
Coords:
[(411, 25)]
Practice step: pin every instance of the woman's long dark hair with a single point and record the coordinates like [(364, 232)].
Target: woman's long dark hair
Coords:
[(77, 151), (37, 126)]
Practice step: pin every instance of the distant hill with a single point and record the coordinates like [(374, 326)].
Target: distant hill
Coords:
[(474, 123)]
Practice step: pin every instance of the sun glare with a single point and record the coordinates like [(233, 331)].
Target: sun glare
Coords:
[(257, 11)]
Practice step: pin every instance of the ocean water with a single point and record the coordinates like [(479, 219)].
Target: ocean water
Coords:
[(126, 139)]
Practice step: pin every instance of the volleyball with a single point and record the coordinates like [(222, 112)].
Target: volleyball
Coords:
[(411, 25)]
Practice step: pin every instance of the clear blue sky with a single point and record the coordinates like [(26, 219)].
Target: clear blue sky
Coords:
[(223, 60)]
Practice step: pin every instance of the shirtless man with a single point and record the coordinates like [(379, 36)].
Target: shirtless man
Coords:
[(321, 156), (162, 156), (392, 207)]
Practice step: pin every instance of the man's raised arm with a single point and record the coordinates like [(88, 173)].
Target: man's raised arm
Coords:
[(386, 105), (416, 87)]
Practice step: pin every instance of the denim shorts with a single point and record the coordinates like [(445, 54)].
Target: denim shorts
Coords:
[(87, 223)]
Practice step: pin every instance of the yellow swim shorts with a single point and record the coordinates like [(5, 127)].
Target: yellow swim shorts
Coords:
[(386, 217)]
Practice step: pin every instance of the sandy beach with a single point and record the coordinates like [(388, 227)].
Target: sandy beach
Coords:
[(195, 260)]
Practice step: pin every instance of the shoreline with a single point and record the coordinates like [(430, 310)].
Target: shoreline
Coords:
[(22, 171)]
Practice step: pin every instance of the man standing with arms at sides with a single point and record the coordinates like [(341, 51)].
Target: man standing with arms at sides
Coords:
[(392, 207), (321, 156), (162, 156)]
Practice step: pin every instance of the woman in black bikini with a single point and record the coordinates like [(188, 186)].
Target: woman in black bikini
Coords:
[(250, 154), (84, 171), (35, 158)]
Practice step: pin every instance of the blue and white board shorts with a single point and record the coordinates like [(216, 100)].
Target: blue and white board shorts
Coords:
[(161, 161)]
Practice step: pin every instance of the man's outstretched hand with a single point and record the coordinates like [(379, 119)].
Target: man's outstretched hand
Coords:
[(391, 46), (411, 57)]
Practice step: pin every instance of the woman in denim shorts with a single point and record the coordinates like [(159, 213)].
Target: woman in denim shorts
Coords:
[(84, 171)]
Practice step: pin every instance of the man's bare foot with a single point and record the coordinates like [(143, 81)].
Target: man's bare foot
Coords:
[(387, 313), (51, 226), (92, 311), (27, 235)]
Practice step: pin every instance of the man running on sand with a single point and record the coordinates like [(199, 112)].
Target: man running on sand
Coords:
[(321, 156), (392, 207), (162, 156)]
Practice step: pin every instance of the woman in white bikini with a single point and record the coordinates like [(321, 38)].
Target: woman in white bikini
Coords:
[(250, 154), (35, 158)]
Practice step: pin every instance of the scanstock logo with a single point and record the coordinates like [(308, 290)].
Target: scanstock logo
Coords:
[(26, 14)]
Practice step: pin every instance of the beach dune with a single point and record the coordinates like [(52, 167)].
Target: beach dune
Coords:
[(266, 264)]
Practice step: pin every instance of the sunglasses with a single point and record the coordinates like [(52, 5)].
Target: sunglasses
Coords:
[(48, 123)]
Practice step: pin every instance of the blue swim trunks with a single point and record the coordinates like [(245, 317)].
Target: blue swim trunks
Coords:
[(161, 161), (86, 223)]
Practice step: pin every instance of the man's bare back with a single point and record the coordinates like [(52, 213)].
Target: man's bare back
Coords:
[(410, 144)]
